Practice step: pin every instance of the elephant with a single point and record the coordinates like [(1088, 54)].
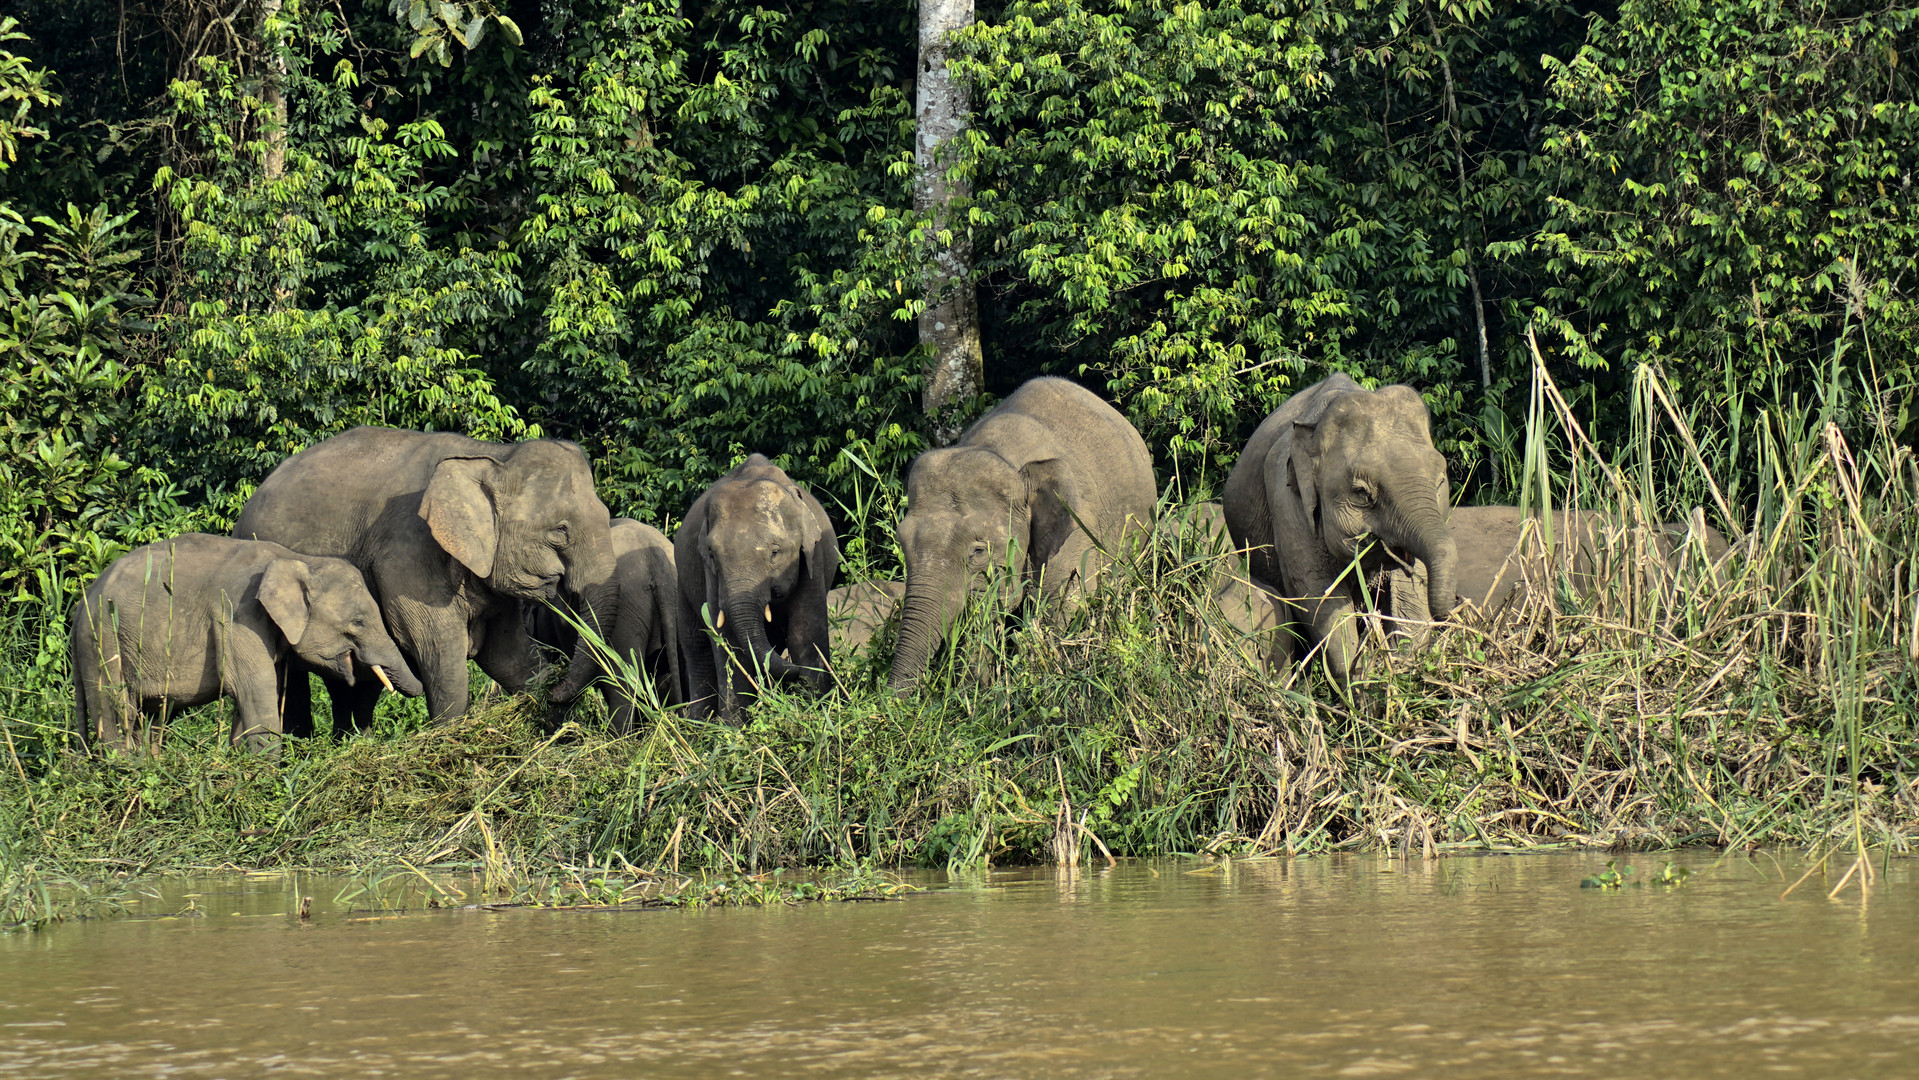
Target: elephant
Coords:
[(759, 552), (1338, 494), (1495, 571), (454, 536), (646, 632), (1008, 493), (1248, 608), (856, 613), (181, 622)]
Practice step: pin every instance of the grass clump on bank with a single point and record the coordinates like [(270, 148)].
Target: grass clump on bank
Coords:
[(1769, 701)]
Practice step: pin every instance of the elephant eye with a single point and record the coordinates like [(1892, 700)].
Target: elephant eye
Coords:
[(1362, 493), (557, 535)]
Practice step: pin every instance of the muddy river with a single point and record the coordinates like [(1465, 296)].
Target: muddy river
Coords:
[(1341, 966)]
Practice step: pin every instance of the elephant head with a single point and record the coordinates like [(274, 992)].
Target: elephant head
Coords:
[(761, 541), (330, 620), (529, 525), (1373, 487), (970, 511)]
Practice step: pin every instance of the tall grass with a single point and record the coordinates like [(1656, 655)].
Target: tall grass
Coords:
[(1769, 700)]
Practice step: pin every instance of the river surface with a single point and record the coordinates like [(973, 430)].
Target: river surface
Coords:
[(1340, 966)]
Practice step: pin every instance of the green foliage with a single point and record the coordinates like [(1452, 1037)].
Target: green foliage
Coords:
[(1732, 186)]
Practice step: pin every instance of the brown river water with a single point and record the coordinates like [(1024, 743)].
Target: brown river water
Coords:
[(1340, 966)]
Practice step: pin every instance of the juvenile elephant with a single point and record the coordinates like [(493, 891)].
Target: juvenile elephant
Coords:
[(646, 632), (1018, 476), (454, 536), (184, 621), (759, 552), (1495, 568), (1249, 609), (857, 612), (1336, 492)]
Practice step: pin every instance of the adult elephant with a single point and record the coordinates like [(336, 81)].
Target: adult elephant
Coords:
[(645, 634), (758, 551), (1050, 453), (1498, 566), (454, 536), (1337, 491)]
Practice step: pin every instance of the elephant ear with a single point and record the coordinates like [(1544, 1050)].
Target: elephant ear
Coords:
[(819, 546), (1050, 491), (1302, 463), (458, 508), (283, 593)]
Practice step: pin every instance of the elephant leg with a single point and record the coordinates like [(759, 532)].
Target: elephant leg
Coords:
[(696, 653), (250, 675), (442, 671), (1335, 626), (296, 698), (355, 704), (506, 653)]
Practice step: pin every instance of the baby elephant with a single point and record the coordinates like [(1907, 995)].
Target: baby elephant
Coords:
[(759, 553), (181, 622), (646, 631)]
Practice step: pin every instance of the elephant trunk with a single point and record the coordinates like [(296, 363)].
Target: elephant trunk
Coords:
[(926, 616), (746, 632), (1430, 540), (398, 675), (599, 603)]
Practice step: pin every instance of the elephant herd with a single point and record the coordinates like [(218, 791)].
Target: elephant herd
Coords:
[(388, 559)]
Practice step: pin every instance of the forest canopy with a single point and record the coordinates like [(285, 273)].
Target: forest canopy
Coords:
[(679, 234)]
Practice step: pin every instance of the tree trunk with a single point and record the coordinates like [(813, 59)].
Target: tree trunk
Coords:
[(949, 327), (273, 88)]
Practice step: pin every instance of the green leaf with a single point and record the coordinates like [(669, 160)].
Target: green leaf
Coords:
[(511, 29)]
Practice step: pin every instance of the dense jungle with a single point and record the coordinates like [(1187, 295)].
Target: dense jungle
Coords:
[(1653, 256)]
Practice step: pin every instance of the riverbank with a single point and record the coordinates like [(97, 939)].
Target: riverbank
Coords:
[(1768, 700)]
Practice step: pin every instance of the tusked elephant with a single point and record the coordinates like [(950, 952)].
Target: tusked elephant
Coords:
[(1050, 452), (454, 536), (758, 551), (185, 621), (646, 633), (855, 613), (1337, 491), (1495, 570)]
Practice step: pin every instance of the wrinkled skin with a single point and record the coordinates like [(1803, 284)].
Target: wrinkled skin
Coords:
[(858, 612), (1000, 497), (185, 621), (646, 633), (758, 551), (455, 536), (1336, 475), (1502, 558)]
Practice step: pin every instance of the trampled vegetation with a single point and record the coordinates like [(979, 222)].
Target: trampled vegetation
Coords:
[(1683, 232)]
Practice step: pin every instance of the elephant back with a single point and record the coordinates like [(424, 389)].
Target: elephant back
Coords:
[(1110, 466)]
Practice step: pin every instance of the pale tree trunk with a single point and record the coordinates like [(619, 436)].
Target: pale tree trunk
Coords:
[(949, 327), (273, 90)]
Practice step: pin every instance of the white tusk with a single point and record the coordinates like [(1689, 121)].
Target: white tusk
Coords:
[(769, 613), (720, 623), (384, 681)]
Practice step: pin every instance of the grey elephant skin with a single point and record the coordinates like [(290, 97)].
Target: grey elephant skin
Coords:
[(186, 621), (1051, 452), (1496, 569), (856, 613), (1339, 476), (759, 553), (646, 632), (1250, 610), (454, 536)]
